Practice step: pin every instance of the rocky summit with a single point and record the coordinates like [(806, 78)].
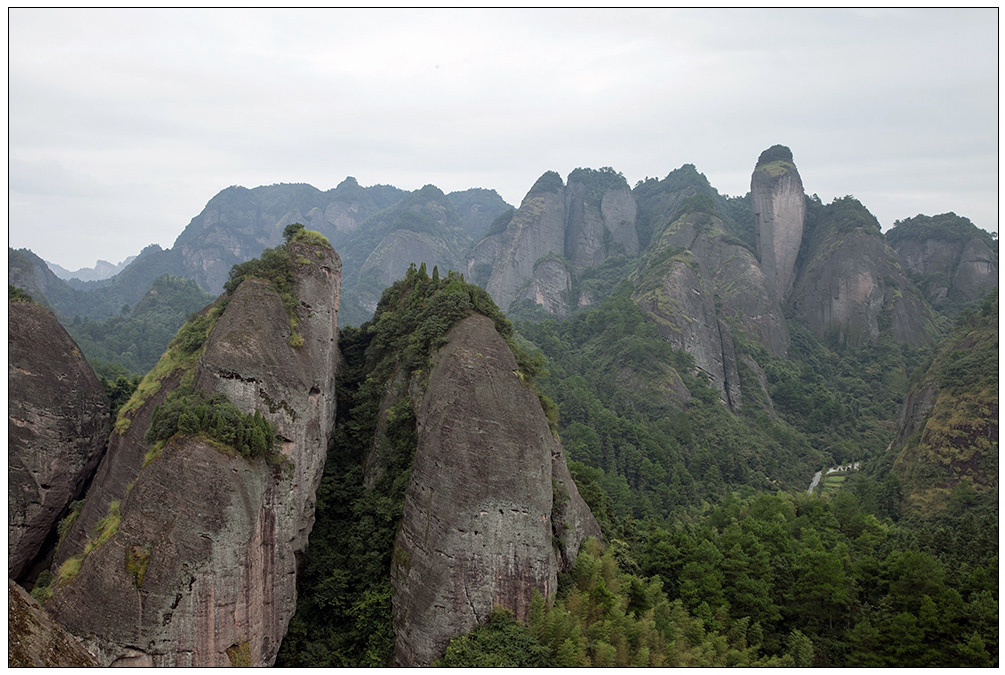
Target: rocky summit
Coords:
[(776, 193), (489, 497), (193, 561)]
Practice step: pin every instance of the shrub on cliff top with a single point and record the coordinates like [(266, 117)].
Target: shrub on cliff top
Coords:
[(415, 313), (15, 294), (775, 153), (277, 266)]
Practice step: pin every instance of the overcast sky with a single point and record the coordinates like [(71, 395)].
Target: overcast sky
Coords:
[(124, 123)]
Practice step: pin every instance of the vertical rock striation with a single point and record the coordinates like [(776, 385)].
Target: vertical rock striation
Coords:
[(780, 211), (197, 562), (699, 286), (558, 231), (491, 513), (57, 425)]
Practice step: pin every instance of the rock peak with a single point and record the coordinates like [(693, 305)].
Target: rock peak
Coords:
[(776, 192)]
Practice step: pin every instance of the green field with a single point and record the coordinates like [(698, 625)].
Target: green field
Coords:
[(832, 483)]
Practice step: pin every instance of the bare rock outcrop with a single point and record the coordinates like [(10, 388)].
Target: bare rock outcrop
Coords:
[(491, 513), (776, 191), (947, 256), (57, 425), (558, 231), (536, 230), (851, 285), (600, 217), (193, 562), (746, 297), (34, 640), (677, 293), (699, 286)]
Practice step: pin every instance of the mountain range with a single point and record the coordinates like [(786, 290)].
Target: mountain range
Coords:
[(424, 428)]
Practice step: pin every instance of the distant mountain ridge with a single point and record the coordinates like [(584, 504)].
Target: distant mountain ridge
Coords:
[(571, 242), (101, 270)]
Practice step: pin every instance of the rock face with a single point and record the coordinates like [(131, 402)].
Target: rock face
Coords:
[(536, 230), (679, 277), (423, 228), (34, 640), (490, 513), (600, 217), (57, 425), (557, 232), (200, 565), (851, 286), (780, 213), (947, 256), (746, 297)]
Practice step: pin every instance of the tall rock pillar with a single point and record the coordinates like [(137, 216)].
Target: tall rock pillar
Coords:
[(780, 213)]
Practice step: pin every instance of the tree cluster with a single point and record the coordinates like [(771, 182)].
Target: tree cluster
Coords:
[(189, 413)]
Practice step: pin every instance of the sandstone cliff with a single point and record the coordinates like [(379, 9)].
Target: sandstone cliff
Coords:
[(699, 285), (490, 513), (558, 232), (57, 425), (780, 211), (851, 285), (34, 640), (536, 230), (947, 256), (188, 557)]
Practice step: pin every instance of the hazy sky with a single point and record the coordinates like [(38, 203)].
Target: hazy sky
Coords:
[(124, 123)]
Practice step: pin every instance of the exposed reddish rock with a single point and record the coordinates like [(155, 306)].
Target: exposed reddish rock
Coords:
[(490, 512), (57, 424)]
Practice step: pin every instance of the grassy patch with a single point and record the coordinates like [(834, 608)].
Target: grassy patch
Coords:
[(137, 559), (240, 654), (105, 528), (69, 569), (182, 354)]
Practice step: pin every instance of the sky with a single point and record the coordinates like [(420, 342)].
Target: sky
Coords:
[(124, 123)]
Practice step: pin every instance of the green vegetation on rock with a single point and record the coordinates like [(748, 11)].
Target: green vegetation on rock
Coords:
[(134, 341), (957, 441), (15, 294), (344, 606), (188, 413)]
